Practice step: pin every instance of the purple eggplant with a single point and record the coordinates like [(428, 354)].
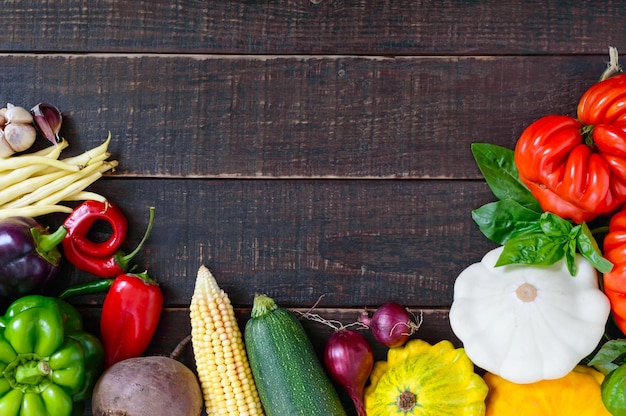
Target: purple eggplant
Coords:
[(29, 257)]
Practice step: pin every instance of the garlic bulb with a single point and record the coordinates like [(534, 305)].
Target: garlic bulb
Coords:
[(17, 130)]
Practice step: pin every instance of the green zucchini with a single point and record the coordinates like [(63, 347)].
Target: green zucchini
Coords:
[(288, 375)]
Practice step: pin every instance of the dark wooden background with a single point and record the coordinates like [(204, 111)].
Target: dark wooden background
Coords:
[(302, 148)]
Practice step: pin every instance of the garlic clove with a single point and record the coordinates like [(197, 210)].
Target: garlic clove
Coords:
[(16, 114), (20, 136), (48, 120), (5, 149)]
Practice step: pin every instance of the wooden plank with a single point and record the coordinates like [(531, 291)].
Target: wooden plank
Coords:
[(297, 117), (395, 27), (359, 243), (302, 148)]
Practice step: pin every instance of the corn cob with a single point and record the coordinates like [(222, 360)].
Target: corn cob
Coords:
[(219, 352)]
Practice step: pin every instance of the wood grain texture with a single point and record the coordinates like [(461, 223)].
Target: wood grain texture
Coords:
[(301, 148), (297, 117), (316, 27), (358, 243)]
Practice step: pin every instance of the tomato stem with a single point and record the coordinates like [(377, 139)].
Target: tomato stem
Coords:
[(613, 67), (586, 132)]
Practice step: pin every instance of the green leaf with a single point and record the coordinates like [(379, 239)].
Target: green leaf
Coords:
[(554, 226), (533, 248), (563, 231), (610, 356), (501, 220), (570, 257), (497, 164), (589, 249), (570, 250)]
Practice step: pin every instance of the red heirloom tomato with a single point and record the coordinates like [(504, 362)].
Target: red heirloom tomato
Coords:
[(576, 168), (614, 282)]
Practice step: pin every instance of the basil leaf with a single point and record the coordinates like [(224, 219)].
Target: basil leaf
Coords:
[(562, 230), (589, 249), (497, 165), (570, 253), (501, 220), (553, 225), (611, 355), (533, 248)]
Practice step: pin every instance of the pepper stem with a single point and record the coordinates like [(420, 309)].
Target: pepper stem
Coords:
[(46, 244), (145, 277), (32, 374), (125, 259)]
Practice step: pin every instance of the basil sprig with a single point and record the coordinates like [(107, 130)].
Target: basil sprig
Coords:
[(611, 355), (529, 235)]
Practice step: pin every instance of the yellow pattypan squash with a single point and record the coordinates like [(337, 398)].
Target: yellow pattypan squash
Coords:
[(420, 379), (575, 394)]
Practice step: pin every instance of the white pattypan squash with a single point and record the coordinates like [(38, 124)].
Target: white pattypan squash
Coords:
[(528, 323)]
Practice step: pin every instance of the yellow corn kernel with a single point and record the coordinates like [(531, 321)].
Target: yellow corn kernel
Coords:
[(219, 352)]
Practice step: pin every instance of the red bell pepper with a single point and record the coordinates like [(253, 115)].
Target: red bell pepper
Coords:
[(576, 168), (130, 315), (101, 259)]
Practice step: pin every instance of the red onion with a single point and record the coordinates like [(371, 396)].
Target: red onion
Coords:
[(349, 360), (392, 324)]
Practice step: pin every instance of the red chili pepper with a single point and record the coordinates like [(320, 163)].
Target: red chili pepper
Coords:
[(130, 315), (107, 265), (104, 267), (80, 221)]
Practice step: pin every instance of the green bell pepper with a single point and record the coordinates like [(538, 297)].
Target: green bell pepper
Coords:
[(48, 363), (614, 391)]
